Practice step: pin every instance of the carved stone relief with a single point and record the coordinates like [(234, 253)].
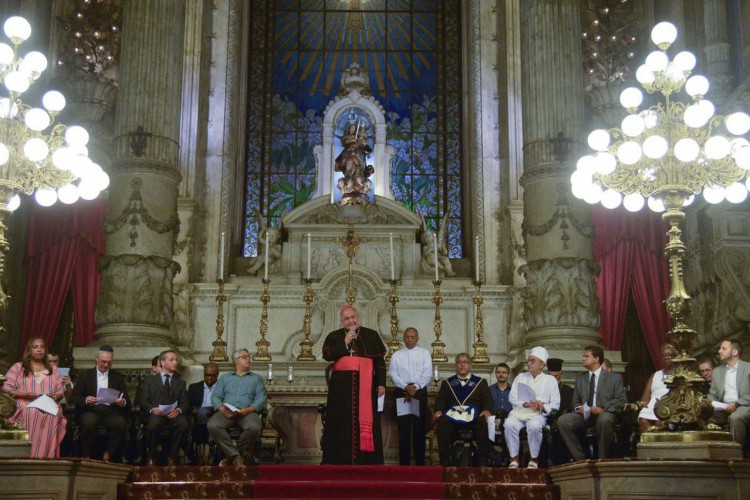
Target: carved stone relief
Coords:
[(561, 292)]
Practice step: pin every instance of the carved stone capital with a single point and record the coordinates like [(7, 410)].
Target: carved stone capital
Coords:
[(136, 292), (561, 292)]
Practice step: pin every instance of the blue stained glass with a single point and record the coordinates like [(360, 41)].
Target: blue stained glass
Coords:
[(400, 44)]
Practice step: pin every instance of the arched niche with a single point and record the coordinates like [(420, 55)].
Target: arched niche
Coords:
[(354, 99)]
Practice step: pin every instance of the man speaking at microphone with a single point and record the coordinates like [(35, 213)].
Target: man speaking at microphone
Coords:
[(352, 433)]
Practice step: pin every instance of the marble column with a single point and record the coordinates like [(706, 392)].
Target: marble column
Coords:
[(717, 50), (561, 306), (135, 305)]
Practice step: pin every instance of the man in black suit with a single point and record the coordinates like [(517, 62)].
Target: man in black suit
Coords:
[(165, 388), (464, 399), (91, 413), (199, 397), (597, 396)]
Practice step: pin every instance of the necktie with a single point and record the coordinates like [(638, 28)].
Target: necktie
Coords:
[(463, 380), (592, 390), (165, 391)]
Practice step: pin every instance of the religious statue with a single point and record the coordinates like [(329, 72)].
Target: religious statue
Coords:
[(274, 247), (428, 248), (352, 162)]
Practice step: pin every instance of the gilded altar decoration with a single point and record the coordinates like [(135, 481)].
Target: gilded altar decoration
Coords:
[(355, 184)]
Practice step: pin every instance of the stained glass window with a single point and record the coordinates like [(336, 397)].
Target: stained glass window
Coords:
[(298, 50)]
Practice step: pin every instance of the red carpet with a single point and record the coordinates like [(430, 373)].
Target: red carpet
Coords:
[(326, 481)]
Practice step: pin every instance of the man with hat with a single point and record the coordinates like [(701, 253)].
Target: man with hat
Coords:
[(554, 368), (534, 395), (92, 413)]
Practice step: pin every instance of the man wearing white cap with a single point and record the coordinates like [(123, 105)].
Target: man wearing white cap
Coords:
[(534, 396)]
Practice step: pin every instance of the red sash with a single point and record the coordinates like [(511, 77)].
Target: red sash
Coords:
[(364, 366)]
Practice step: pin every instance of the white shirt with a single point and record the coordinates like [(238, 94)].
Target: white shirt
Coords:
[(730, 385), (546, 388), (102, 380), (207, 391), (411, 366)]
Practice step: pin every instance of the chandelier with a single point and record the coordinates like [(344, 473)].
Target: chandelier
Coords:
[(37, 155), (662, 157)]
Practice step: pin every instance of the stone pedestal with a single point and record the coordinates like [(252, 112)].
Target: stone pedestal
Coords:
[(689, 444), (14, 443)]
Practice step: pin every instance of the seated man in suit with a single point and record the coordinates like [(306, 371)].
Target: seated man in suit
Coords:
[(730, 384), (597, 396), (91, 413), (238, 399), (199, 398), (464, 399), (160, 390)]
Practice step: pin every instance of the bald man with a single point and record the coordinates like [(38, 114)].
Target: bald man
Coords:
[(352, 433)]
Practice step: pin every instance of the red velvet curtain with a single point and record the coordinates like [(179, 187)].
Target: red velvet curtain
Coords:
[(64, 245), (629, 248)]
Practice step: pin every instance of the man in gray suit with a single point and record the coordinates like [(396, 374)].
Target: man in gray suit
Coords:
[(730, 384), (598, 394)]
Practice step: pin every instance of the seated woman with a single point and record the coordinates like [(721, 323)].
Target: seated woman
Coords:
[(655, 389), (26, 381)]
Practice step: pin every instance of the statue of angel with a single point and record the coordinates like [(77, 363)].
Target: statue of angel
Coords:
[(274, 247), (428, 248)]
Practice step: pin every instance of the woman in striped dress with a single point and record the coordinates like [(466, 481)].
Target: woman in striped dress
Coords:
[(26, 381)]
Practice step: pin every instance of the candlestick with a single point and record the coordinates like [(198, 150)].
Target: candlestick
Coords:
[(265, 257), (393, 270), (262, 353), (220, 346), (480, 347), (221, 257), (438, 346), (309, 253), (393, 344), (306, 345), (435, 255), (476, 258)]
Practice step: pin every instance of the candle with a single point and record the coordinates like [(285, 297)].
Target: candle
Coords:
[(290, 374), (476, 259), (434, 247), (309, 253), (270, 371), (221, 257), (266, 257), (393, 269), (436, 373)]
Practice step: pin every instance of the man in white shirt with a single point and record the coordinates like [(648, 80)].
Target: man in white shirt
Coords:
[(528, 412), (410, 372), (730, 384)]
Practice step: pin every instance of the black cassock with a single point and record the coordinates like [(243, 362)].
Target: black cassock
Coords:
[(341, 444)]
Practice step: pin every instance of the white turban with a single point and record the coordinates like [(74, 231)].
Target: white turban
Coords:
[(540, 352)]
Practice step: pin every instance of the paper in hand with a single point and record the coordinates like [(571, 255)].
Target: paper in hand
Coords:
[(491, 427), (381, 402), (407, 408), (718, 405), (231, 407), (45, 404), (526, 393), (168, 408), (586, 411), (107, 396)]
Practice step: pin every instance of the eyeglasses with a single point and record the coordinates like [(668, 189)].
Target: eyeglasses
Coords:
[(244, 356)]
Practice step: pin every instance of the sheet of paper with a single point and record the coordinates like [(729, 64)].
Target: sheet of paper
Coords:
[(64, 371), (407, 408), (168, 408), (381, 403), (45, 403), (526, 393), (491, 427), (107, 396), (231, 407), (718, 405), (586, 411)]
